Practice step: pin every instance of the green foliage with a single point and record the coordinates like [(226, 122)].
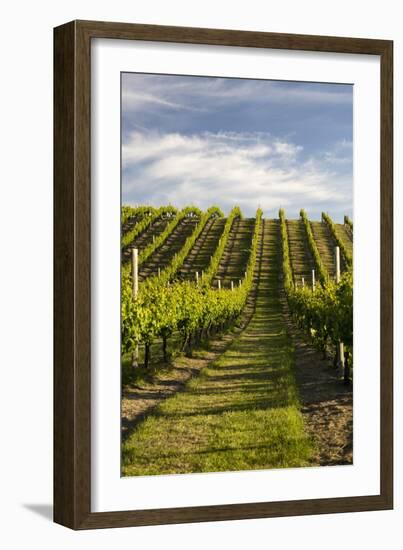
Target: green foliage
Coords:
[(170, 272), (159, 241), (152, 247), (347, 256), (348, 222), (127, 212), (212, 269), (320, 268), (287, 270), (344, 301), (149, 214), (159, 310), (326, 313), (162, 308)]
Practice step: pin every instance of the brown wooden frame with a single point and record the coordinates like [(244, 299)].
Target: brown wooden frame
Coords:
[(72, 319)]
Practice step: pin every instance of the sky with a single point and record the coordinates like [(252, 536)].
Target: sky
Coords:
[(228, 141)]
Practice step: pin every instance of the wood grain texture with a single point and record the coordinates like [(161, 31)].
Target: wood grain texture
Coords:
[(221, 37), (386, 212), (72, 270), (64, 363), (72, 218)]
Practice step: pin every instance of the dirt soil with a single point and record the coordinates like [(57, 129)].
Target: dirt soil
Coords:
[(327, 407), (327, 403)]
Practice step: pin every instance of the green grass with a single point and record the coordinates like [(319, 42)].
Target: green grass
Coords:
[(242, 412)]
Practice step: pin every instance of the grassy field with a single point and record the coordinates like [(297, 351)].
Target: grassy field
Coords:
[(240, 413)]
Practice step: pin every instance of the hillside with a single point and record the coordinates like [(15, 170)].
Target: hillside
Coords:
[(245, 403)]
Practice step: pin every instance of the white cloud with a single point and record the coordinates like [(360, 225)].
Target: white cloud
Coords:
[(231, 168)]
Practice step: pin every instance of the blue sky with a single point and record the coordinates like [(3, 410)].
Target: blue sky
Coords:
[(205, 140)]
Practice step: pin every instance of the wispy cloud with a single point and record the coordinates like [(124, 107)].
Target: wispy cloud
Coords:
[(133, 100), (341, 154), (202, 94), (229, 141), (244, 169)]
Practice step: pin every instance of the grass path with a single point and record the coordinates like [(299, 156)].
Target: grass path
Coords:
[(242, 412)]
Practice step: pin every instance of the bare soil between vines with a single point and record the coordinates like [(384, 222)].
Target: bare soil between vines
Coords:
[(327, 405)]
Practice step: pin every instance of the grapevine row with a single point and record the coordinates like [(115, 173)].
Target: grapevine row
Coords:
[(152, 247), (347, 256), (348, 222), (159, 309), (326, 313), (128, 212), (170, 272), (320, 268), (153, 214), (216, 258)]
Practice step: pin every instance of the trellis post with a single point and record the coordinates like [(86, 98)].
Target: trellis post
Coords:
[(135, 290), (340, 351)]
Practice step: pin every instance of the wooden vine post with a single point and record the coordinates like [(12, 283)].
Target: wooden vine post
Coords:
[(135, 290)]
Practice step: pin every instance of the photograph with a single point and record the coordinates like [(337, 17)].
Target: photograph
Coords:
[(236, 274)]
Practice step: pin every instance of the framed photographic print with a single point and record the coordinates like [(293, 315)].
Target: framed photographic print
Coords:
[(223, 274)]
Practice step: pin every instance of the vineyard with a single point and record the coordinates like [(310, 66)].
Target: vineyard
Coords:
[(217, 314)]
